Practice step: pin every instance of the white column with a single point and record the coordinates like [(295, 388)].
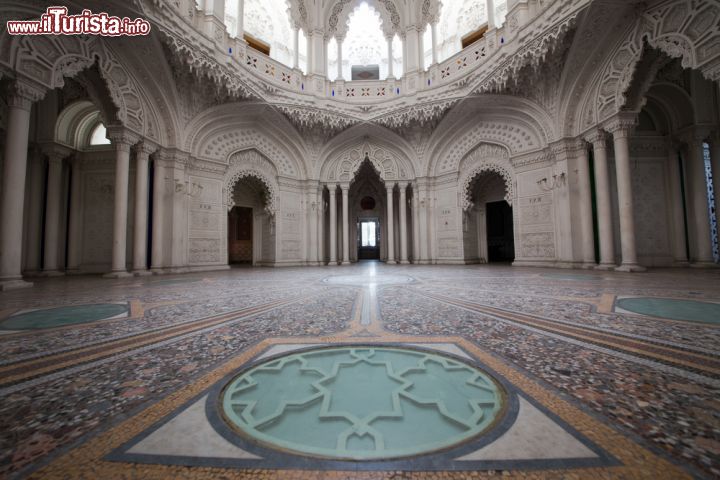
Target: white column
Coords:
[(421, 49), (403, 224), (20, 99), (52, 212), (586, 225), (321, 226), (339, 58), (333, 224), (142, 152), (490, 6), (34, 210), (158, 214), (677, 215), (698, 202), (390, 57), (433, 32), (416, 227), (345, 224), (390, 224), (75, 220), (122, 142), (241, 19), (423, 203), (621, 133), (410, 52), (296, 49), (604, 206)]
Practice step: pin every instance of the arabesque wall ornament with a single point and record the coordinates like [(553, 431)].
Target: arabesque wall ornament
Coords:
[(486, 158), (250, 163)]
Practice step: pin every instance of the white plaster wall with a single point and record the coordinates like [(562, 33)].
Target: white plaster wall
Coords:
[(535, 226), (207, 225)]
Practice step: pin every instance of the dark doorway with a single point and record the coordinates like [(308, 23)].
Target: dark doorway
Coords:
[(501, 242), (369, 239), (240, 235)]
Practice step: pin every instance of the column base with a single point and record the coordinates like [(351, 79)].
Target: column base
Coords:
[(157, 271), (704, 264), (51, 273), (390, 262), (122, 274), (141, 273), (606, 266), (630, 267), (680, 264), (589, 266), (404, 262), (16, 284), (332, 263), (345, 263)]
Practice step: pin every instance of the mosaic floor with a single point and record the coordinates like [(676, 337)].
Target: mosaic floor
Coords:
[(366, 371)]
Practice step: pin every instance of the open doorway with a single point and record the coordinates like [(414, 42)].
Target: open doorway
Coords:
[(240, 235), (500, 239), (369, 239)]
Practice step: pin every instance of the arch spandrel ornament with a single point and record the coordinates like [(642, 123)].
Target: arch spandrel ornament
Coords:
[(383, 161), (486, 158), (681, 29), (250, 163), (49, 60)]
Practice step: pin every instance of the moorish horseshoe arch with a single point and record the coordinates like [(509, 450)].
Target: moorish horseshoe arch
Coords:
[(250, 163), (486, 158)]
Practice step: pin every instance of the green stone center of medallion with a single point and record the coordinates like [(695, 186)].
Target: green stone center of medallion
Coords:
[(362, 403)]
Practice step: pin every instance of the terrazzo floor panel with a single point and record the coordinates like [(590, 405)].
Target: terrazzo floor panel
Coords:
[(596, 374)]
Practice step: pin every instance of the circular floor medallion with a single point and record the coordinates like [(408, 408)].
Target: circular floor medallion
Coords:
[(61, 316), (674, 309), (362, 403)]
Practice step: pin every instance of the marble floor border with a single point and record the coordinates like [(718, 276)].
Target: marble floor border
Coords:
[(90, 458)]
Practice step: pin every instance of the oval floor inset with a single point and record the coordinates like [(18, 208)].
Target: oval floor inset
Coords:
[(61, 316), (674, 309)]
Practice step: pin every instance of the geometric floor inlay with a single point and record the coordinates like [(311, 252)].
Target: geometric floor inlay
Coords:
[(362, 403), (61, 316), (675, 309)]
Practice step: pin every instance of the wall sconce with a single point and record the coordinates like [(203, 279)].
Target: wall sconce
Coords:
[(557, 182)]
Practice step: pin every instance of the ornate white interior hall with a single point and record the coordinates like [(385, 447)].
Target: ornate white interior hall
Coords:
[(535, 139)]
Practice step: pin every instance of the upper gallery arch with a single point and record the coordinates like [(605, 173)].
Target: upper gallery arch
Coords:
[(518, 124), (337, 12), (218, 132)]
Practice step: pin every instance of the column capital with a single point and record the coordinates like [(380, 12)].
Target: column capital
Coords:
[(332, 189), (145, 148), (621, 125), (390, 186), (345, 187), (55, 152), (121, 137), (597, 137), (22, 94)]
